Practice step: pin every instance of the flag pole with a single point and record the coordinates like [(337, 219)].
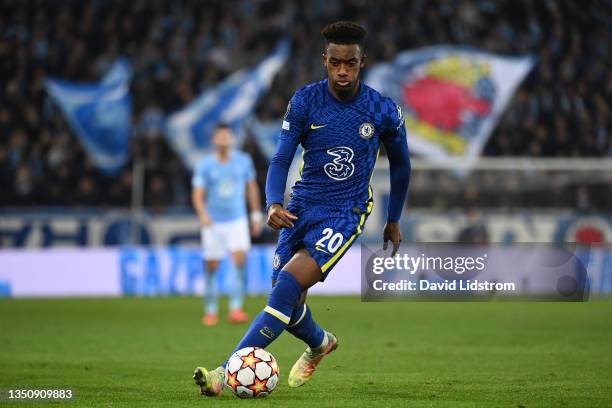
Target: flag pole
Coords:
[(138, 173)]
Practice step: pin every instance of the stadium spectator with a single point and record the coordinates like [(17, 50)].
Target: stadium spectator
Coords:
[(475, 231), (179, 48)]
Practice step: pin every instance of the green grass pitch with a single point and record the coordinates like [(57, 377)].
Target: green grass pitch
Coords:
[(141, 353)]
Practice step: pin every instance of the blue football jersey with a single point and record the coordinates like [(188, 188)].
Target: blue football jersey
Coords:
[(225, 184), (341, 141)]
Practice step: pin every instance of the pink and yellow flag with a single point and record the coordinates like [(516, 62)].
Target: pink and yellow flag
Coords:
[(452, 97)]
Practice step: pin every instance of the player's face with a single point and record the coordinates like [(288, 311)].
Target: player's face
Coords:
[(343, 63), (223, 138)]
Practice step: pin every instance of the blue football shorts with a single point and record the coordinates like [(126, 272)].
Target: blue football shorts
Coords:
[(325, 232)]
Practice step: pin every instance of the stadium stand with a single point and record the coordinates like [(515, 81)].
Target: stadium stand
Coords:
[(179, 48)]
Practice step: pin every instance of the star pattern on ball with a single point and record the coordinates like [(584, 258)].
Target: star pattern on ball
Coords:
[(274, 367), (250, 360), (232, 381), (258, 387)]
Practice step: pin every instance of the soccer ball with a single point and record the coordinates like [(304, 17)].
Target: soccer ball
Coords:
[(251, 372)]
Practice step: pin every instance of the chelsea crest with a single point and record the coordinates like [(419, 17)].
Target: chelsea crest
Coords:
[(366, 130), (276, 261)]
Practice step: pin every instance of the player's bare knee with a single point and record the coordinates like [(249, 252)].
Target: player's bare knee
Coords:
[(212, 266), (239, 258), (304, 269)]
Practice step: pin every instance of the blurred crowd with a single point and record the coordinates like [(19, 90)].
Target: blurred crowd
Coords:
[(180, 48)]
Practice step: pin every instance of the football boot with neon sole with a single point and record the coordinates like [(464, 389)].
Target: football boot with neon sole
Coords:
[(303, 369), (210, 382)]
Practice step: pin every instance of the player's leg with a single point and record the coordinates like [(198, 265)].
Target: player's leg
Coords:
[(213, 252), (300, 273), (303, 326), (237, 289), (320, 344), (327, 242), (272, 321), (238, 245), (211, 294)]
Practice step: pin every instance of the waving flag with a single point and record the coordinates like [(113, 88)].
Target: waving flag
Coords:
[(231, 101), (99, 114), (265, 135), (452, 97), (120, 71)]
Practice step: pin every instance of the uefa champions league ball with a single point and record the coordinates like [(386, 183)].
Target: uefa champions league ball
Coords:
[(251, 372)]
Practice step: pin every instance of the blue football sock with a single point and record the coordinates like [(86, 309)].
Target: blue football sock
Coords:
[(211, 293), (305, 328), (270, 323), (237, 289)]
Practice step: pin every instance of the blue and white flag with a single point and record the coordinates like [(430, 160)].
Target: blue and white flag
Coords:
[(100, 114), (266, 135), (232, 101), (120, 71), (451, 97)]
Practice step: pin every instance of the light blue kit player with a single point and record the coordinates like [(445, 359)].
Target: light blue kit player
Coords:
[(221, 182), (341, 124)]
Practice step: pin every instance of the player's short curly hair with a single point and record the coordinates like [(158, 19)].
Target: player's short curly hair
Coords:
[(344, 32)]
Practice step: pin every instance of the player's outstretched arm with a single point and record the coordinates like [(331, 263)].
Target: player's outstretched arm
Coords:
[(399, 168), (278, 172), (292, 130)]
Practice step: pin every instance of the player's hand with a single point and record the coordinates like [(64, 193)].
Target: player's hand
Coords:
[(278, 217), (392, 233), (205, 220)]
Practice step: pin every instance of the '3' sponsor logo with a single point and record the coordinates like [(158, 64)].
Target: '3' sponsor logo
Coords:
[(341, 167)]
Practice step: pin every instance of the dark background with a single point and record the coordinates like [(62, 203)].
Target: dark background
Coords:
[(180, 48)]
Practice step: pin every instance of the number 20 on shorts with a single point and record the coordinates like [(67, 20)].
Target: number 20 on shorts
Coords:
[(330, 241)]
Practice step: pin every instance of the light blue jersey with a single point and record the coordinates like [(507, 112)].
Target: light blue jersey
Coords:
[(225, 184)]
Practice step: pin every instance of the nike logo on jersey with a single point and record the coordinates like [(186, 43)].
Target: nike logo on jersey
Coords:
[(315, 127)]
